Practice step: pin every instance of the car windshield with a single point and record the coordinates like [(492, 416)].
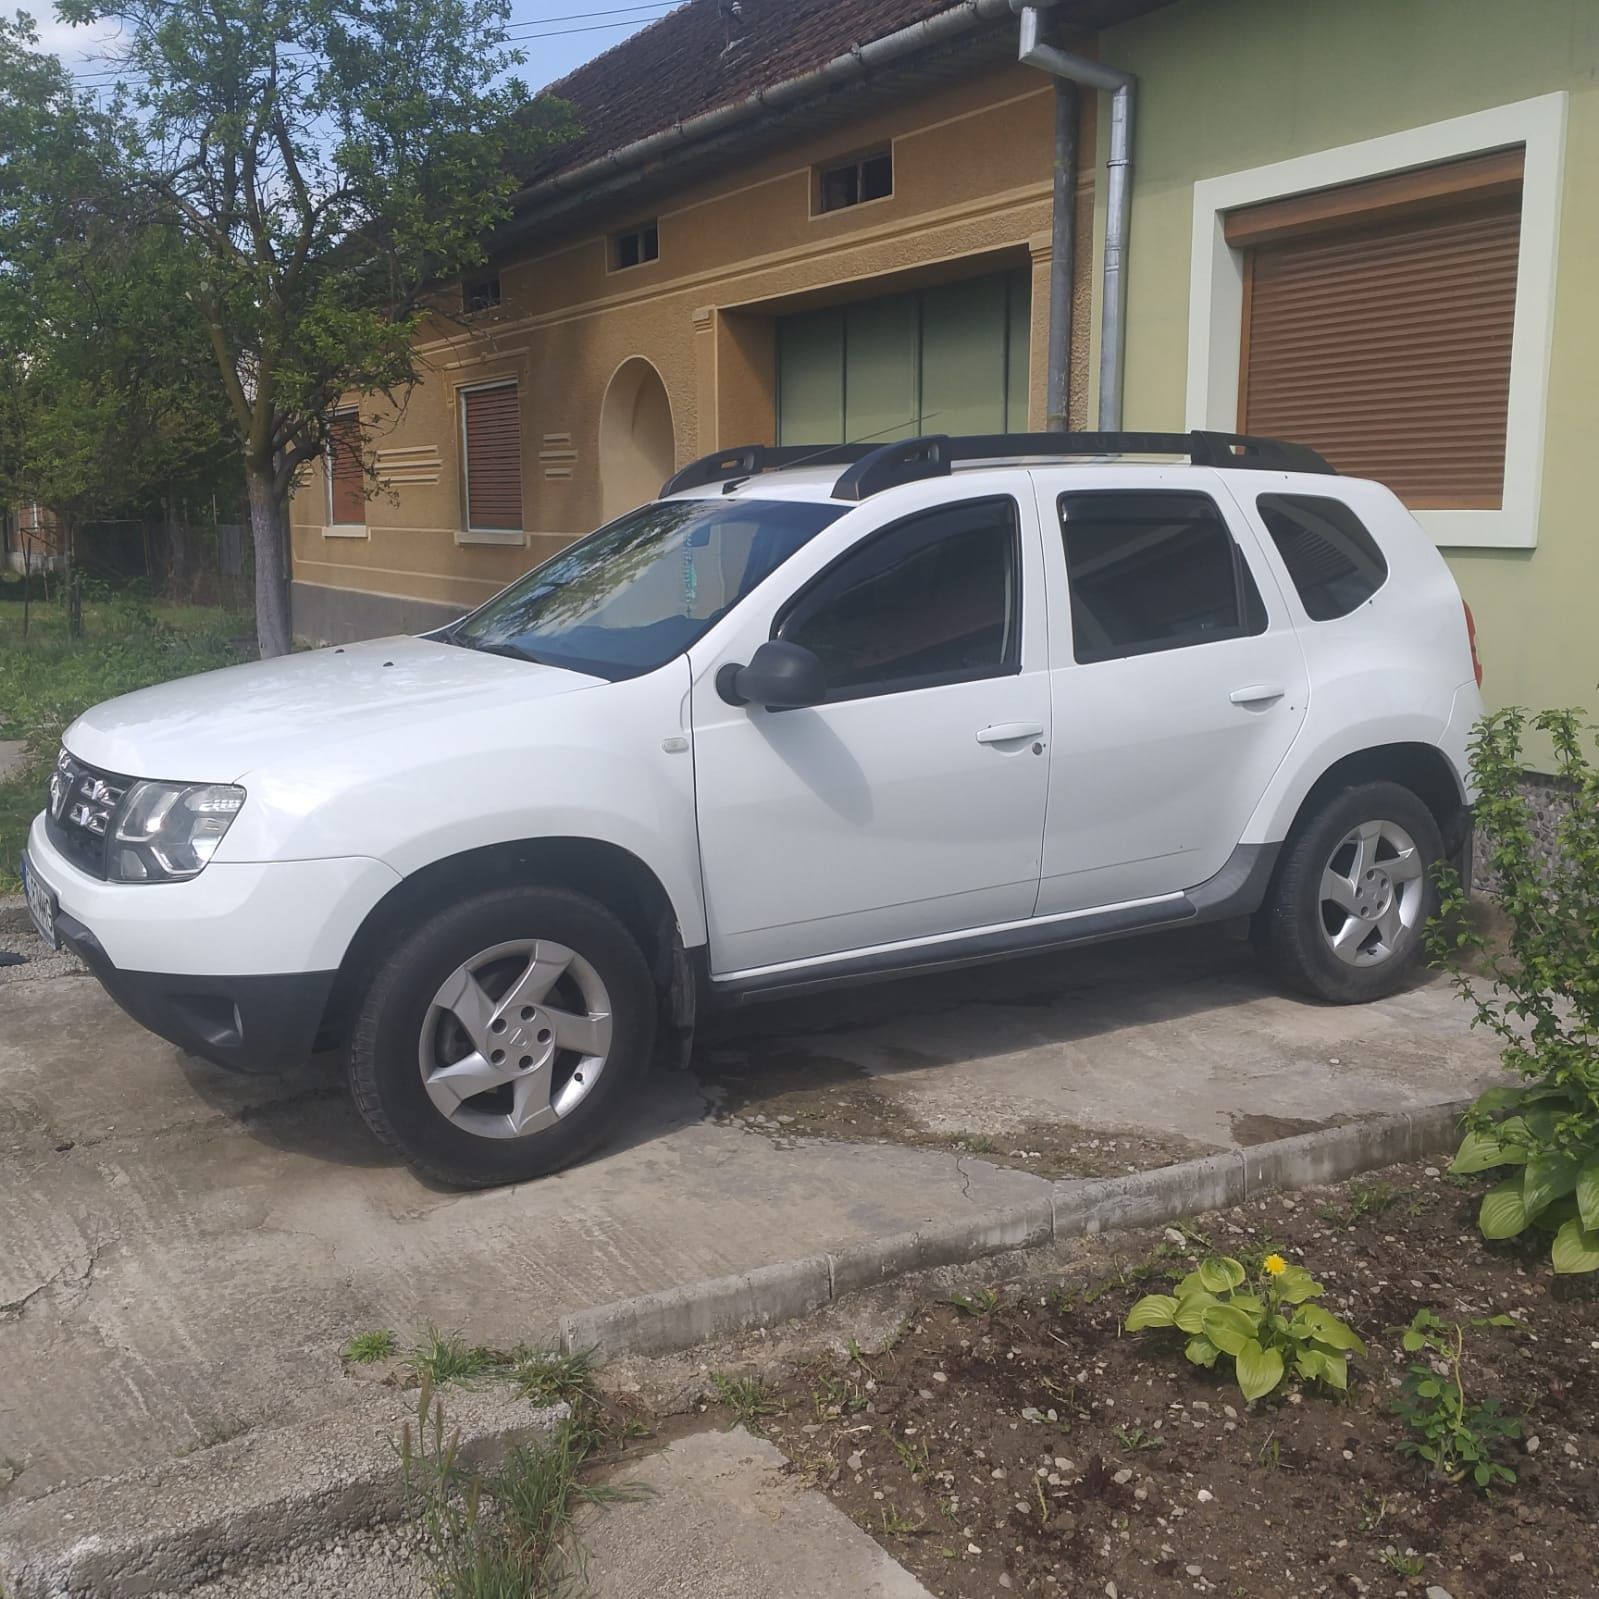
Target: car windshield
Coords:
[(641, 590)]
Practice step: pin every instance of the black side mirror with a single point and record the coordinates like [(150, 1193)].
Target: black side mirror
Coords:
[(781, 676)]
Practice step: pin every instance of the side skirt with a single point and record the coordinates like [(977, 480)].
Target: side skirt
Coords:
[(1238, 889)]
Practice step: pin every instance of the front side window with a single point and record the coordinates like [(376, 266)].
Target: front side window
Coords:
[(1150, 571), (1334, 562), (934, 599), (645, 588)]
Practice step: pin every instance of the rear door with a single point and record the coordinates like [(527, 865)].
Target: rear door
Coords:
[(1177, 683)]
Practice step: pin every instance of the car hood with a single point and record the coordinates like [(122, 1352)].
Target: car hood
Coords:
[(219, 726)]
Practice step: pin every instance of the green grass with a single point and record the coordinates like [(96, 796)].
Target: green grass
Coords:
[(48, 679), (747, 1398), (367, 1348)]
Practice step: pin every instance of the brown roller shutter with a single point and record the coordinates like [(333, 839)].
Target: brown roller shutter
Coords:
[(492, 423), (1387, 347), (347, 481)]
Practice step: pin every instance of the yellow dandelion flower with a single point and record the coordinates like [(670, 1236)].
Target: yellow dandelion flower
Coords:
[(1276, 1265)]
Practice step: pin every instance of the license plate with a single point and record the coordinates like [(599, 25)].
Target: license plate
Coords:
[(41, 904)]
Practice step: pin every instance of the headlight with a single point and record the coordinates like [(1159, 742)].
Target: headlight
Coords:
[(167, 831)]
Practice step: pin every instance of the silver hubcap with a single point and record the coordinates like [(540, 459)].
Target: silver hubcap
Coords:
[(1372, 894), (515, 1039)]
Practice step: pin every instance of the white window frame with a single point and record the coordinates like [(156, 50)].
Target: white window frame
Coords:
[(467, 534), (1216, 287), (330, 528)]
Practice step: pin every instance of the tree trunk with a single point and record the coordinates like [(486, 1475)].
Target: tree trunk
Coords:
[(267, 522), (177, 585)]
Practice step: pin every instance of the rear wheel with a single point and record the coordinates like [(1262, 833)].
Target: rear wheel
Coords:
[(1348, 907), (500, 1041)]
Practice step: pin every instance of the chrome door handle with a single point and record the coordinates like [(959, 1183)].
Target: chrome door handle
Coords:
[(1009, 732), (1257, 693)]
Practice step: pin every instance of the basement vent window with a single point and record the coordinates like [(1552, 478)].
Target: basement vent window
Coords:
[(635, 247), (480, 294), (854, 182)]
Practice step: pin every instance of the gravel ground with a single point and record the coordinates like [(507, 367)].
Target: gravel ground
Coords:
[(376, 1564), (23, 956)]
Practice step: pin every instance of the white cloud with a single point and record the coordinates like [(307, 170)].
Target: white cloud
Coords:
[(79, 43)]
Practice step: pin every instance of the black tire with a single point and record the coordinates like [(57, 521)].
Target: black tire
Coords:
[(385, 1070), (1293, 927)]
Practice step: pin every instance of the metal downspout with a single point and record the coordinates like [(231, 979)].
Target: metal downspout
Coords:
[(1118, 209)]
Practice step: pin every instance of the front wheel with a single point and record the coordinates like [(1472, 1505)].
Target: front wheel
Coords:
[(1348, 907), (501, 1040)]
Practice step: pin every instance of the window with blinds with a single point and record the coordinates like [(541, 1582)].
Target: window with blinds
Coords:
[(1377, 326), (346, 479), (491, 432)]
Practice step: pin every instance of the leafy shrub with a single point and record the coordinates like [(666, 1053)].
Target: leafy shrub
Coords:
[(1540, 994), (1261, 1327), (1456, 1439)]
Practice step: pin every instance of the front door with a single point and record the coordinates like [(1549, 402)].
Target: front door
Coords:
[(1178, 686), (911, 803)]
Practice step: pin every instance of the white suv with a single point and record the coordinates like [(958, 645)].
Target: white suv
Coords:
[(812, 717)]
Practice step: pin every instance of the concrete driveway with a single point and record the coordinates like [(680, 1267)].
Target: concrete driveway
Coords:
[(186, 1251)]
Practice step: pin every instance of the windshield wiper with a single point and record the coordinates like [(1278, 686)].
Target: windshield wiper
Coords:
[(512, 652)]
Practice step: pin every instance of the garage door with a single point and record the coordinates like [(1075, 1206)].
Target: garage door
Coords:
[(952, 359)]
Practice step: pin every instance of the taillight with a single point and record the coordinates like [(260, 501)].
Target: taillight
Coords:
[(1471, 633)]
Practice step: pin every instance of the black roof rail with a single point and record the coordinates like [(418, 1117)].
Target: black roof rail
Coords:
[(749, 460), (875, 467)]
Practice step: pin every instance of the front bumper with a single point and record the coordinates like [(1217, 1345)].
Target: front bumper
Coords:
[(249, 1024), (170, 954)]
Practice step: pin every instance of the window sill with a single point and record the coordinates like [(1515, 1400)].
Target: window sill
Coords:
[(346, 530), (475, 535)]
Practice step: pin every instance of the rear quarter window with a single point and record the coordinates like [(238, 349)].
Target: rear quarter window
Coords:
[(1334, 562)]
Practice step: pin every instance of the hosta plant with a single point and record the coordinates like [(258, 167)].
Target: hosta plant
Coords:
[(1266, 1327), (1539, 993)]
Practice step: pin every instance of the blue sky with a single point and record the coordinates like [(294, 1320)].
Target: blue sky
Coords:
[(556, 35)]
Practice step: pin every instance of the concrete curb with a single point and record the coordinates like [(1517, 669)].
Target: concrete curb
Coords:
[(695, 1313), (169, 1527)]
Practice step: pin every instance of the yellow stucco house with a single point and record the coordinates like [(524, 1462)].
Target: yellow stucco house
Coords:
[(1372, 226)]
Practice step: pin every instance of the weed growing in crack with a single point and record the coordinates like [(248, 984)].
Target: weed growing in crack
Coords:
[(505, 1533), (982, 1303), (442, 1358), (547, 1378)]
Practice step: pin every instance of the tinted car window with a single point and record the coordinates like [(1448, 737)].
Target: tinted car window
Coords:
[(1153, 571), (643, 589), (1333, 560), (933, 599)]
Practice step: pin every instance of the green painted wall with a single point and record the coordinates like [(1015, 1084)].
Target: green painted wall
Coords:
[(1225, 85)]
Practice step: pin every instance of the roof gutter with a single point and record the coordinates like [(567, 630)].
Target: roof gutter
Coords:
[(561, 190), (1118, 209)]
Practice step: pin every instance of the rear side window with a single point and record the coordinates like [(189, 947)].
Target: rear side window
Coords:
[(1153, 571), (1333, 560), (933, 599)]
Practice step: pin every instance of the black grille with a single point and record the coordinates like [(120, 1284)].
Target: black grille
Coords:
[(82, 811)]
